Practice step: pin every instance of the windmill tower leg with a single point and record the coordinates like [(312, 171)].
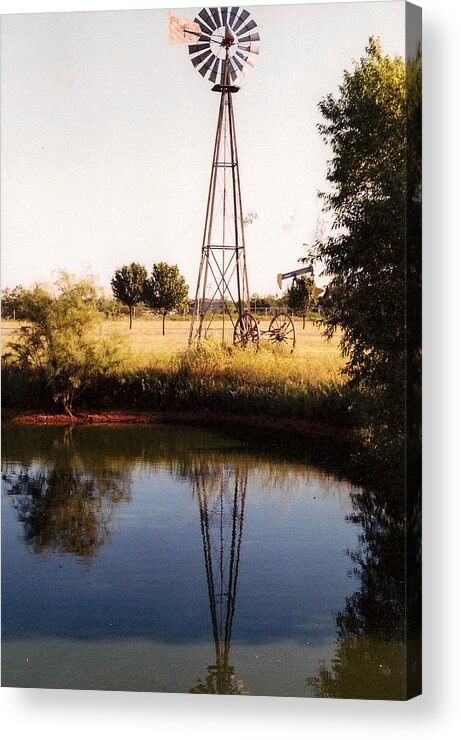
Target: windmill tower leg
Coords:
[(222, 284)]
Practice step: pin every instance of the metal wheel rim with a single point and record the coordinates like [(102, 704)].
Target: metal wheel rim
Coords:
[(282, 330), (246, 330)]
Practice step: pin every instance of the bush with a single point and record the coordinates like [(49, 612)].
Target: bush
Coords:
[(58, 348)]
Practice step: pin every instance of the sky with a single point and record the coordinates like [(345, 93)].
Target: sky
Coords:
[(107, 137)]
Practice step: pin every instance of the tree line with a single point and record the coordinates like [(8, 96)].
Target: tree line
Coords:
[(164, 290)]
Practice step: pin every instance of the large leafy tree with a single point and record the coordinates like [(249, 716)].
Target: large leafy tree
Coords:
[(301, 296), (370, 199), (128, 286), (166, 289)]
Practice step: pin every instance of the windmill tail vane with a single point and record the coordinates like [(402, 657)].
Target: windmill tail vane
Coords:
[(182, 30)]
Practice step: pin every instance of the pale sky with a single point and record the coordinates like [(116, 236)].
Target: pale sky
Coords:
[(107, 137)]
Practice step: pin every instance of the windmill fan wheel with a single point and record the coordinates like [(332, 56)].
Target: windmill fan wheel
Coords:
[(228, 44)]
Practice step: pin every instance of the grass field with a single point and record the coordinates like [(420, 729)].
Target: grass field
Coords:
[(158, 372), (146, 346)]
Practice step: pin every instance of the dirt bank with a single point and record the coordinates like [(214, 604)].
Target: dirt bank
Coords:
[(287, 425)]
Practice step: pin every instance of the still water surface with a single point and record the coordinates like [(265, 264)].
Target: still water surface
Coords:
[(154, 558)]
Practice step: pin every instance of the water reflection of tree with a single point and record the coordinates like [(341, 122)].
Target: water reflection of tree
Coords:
[(66, 506), (221, 493), (370, 660)]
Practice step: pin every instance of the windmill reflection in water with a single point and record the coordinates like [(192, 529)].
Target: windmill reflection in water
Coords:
[(221, 493)]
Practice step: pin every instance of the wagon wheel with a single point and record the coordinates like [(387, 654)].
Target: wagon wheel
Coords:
[(282, 331), (246, 330)]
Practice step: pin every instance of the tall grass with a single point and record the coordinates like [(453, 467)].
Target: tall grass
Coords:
[(262, 382), (212, 379)]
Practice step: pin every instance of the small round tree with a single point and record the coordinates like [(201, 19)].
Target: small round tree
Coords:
[(128, 286), (166, 289), (301, 296)]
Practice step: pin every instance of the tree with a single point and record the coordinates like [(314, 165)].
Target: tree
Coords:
[(128, 286), (109, 307), (301, 296), (371, 200), (12, 301), (166, 290), (60, 343)]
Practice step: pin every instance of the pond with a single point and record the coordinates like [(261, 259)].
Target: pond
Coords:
[(165, 558)]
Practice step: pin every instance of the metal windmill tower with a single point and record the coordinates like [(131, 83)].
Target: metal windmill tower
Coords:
[(221, 493), (226, 45)]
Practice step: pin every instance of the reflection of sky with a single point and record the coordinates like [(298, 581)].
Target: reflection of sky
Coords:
[(148, 580), (107, 137)]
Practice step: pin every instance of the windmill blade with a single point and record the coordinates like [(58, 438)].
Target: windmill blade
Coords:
[(247, 27), (251, 37), (204, 28), (233, 13), (207, 18), (201, 58), (248, 64), (221, 75), (224, 15), (237, 63), (194, 48), (206, 33), (216, 16), (233, 66), (250, 49), (215, 71), (241, 19), (206, 67)]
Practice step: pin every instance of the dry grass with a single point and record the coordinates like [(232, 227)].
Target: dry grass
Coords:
[(313, 359), (148, 347)]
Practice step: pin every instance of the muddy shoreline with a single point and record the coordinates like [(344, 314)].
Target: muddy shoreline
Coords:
[(286, 425)]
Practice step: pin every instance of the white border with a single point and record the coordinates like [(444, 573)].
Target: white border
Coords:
[(65, 714)]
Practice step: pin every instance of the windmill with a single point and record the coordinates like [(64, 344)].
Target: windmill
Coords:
[(225, 47)]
